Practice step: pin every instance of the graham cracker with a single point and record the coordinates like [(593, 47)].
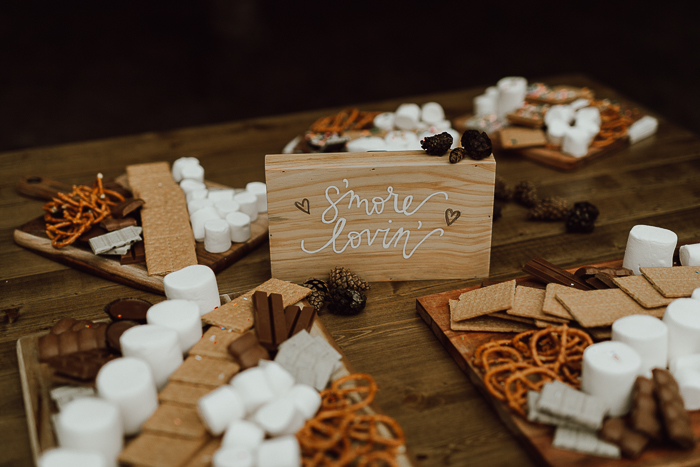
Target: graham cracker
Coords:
[(600, 334), (675, 282), (518, 137), (484, 301), (238, 313), (639, 288), (187, 394), (176, 421), (504, 315), (528, 303), (205, 370), (489, 324), (595, 308), (167, 234), (203, 458), (214, 343), (157, 450), (551, 305)]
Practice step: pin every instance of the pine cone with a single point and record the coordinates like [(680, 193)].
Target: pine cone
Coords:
[(478, 145), (316, 284), (457, 154), (346, 301), (317, 299), (341, 278), (582, 218), (550, 209), (502, 191), (437, 145), (526, 194)]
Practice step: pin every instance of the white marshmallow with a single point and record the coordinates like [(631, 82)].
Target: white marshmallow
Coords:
[(233, 457), (197, 204), (279, 452), (239, 224), (407, 117), (562, 113), (589, 127), (221, 194), (648, 336), (259, 189), (156, 345), (199, 218), (217, 236), (576, 142), (306, 399), (182, 316), (219, 408), (688, 380), (691, 361), (366, 143), (191, 185), (384, 121), (485, 104), (244, 434), (432, 113), (226, 207), (248, 204), (682, 316), (649, 247), (579, 104), (511, 94), (179, 164), (588, 114), (642, 128), (197, 194), (64, 457), (690, 255), (196, 283), (279, 416), (279, 379), (556, 131), (609, 371), (128, 383), (696, 294), (93, 425), (193, 172), (253, 388), (442, 125), (401, 141)]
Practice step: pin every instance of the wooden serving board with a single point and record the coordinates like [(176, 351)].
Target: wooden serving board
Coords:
[(559, 160), (536, 438)]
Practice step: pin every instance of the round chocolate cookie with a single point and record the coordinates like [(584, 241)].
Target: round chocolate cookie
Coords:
[(115, 331), (133, 309)]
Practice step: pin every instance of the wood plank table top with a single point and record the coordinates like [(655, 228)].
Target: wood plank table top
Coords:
[(446, 420)]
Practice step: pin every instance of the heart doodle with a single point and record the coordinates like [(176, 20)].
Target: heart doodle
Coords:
[(304, 206), (451, 216)]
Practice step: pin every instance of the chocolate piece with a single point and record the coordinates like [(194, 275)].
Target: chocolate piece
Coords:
[(252, 357), (96, 231), (263, 322), (279, 324), (612, 430), (644, 411), (548, 272), (305, 320), (596, 283), (68, 343), (675, 417), (631, 443), (47, 346), (607, 279), (133, 309), (563, 401), (243, 343), (82, 324), (111, 224), (136, 254), (83, 366), (291, 315), (115, 331), (63, 325), (87, 339), (586, 272), (113, 185), (126, 207)]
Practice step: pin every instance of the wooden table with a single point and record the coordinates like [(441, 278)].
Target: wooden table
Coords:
[(446, 420)]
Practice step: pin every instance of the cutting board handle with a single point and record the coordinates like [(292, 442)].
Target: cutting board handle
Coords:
[(36, 186)]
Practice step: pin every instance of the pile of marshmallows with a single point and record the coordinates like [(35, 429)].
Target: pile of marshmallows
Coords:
[(406, 127), (641, 342), (218, 216)]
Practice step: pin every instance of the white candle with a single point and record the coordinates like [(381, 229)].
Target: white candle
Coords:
[(511, 94), (196, 283), (226, 207), (649, 247), (239, 223), (93, 425), (128, 383), (248, 204), (199, 218), (648, 336), (683, 319), (64, 457), (182, 316), (259, 189), (156, 345), (609, 371), (217, 236)]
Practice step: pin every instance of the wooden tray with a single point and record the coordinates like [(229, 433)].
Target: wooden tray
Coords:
[(536, 438), (559, 160)]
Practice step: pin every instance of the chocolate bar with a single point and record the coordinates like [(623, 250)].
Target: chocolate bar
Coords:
[(247, 351), (126, 207), (305, 320), (136, 254), (607, 279), (675, 417), (70, 336), (548, 272), (644, 411), (279, 323), (133, 309), (263, 320), (596, 283), (111, 224), (562, 401), (630, 442), (83, 366), (291, 315)]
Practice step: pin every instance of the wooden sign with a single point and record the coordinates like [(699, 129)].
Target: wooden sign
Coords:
[(384, 215)]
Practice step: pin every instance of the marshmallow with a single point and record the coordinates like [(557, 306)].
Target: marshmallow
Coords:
[(562, 113), (179, 164), (556, 131), (182, 316), (197, 283), (485, 104), (688, 380), (511, 94), (691, 362), (442, 125), (248, 204), (683, 319), (588, 114), (191, 185), (432, 113), (219, 408), (253, 388), (306, 399), (244, 434), (279, 417), (384, 121), (197, 194), (649, 247), (128, 383), (589, 127), (279, 379), (579, 104), (648, 336), (64, 457), (233, 457), (199, 218), (696, 294), (690, 255), (279, 452), (225, 207), (221, 194), (259, 189), (93, 425), (642, 128), (401, 141), (193, 172), (158, 346), (239, 224), (217, 236), (366, 143), (407, 117), (576, 142), (197, 204)]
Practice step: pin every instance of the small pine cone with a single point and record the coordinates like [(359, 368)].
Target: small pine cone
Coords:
[(457, 154), (502, 191), (316, 284), (317, 299), (550, 209), (341, 278), (346, 301), (582, 218), (478, 145), (526, 194), (437, 145)]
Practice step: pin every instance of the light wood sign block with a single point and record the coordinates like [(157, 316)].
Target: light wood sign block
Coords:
[(384, 215)]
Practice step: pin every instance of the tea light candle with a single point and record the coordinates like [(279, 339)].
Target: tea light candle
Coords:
[(239, 223), (157, 345), (648, 336), (511, 94), (683, 319), (182, 316), (226, 207), (217, 236), (649, 247), (259, 189), (196, 283), (64, 457), (248, 204), (128, 383), (93, 425), (609, 371)]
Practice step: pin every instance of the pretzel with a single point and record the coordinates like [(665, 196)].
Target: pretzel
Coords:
[(346, 119)]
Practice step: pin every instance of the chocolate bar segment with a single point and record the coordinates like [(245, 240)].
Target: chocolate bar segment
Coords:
[(263, 323), (126, 207), (111, 224), (291, 315), (548, 272), (630, 442), (83, 366), (305, 321), (644, 411), (279, 322), (247, 351), (675, 417)]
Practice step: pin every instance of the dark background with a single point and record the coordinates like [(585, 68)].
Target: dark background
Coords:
[(77, 70)]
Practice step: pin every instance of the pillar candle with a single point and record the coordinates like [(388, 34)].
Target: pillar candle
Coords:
[(648, 336), (182, 316), (196, 283), (158, 346), (649, 247), (683, 319)]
